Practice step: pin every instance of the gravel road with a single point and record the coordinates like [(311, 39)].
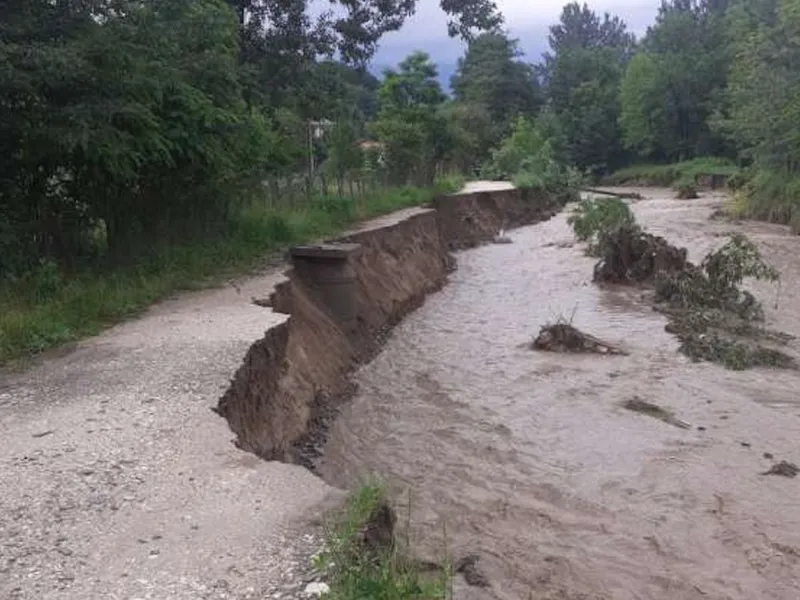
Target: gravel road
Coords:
[(117, 481)]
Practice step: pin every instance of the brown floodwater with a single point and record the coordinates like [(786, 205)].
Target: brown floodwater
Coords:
[(528, 459)]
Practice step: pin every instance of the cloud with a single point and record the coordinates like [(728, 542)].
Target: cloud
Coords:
[(427, 29)]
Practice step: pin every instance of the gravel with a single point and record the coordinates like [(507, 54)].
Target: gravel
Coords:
[(117, 481)]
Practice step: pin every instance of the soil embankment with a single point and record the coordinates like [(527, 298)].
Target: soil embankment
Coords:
[(282, 398)]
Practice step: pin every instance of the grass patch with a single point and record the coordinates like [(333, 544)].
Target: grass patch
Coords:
[(768, 196), (362, 560), (44, 310), (668, 175)]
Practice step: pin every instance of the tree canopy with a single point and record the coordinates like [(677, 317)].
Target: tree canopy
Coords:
[(127, 123)]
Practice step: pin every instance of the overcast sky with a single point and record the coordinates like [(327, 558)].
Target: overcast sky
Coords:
[(527, 20)]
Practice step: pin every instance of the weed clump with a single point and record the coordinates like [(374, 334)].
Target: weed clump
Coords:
[(687, 190), (363, 560)]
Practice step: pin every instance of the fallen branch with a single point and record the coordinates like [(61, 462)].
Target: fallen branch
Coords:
[(638, 405), (618, 194), (563, 337)]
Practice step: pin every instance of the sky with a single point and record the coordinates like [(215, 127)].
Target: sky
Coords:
[(526, 20)]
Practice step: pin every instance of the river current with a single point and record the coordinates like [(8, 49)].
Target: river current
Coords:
[(527, 458)]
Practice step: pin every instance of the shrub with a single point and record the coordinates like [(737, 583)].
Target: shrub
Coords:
[(593, 216)]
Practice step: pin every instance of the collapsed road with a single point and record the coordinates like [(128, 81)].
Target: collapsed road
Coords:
[(117, 481)]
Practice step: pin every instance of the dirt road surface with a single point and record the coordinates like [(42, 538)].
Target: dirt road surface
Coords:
[(117, 481)]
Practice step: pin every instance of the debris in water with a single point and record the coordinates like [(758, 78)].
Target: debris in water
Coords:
[(616, 193), (784, 469), (636, 404), (468, 567), (262, 302), (736, 355), (712, 316), (563, 337), (768, 455), (630, 255)]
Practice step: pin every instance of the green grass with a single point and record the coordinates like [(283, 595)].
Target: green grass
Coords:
[(768, 196), (43, 310), (355, 573), (668, 175)]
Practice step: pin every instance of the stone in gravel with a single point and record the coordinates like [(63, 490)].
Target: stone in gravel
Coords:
[(317, 589)]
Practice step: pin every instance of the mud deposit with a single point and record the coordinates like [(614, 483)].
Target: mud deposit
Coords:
[(530, 460)]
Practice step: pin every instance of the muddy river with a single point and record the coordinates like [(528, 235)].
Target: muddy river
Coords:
[(529, 460)]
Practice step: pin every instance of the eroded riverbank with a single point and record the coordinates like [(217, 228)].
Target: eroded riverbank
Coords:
[(529, 459), (117, 480)]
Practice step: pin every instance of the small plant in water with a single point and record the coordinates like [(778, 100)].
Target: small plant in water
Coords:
[(594, 216), (739, 258)]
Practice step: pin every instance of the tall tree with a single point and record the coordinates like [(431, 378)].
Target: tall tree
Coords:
[(410, 121), (491, 75), (280, 38), (687, 59), (764, 88), (132, 118), (582, 73)]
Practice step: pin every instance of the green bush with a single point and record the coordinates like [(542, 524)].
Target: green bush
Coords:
[(526, 158), (594, 216), (686, 188)]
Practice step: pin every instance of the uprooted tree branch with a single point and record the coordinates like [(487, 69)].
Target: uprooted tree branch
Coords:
[(712, 316)]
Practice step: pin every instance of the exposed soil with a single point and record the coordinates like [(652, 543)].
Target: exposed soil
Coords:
[(470, 219), (285, 395)]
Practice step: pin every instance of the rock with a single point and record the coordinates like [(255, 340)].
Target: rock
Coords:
[(317, 589), (468, 567)]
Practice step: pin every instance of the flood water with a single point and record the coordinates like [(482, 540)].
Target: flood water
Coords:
[(527, 458)]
